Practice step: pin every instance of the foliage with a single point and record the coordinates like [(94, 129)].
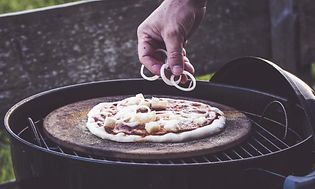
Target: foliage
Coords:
[(206, 77), (6, 170), (18, 5)]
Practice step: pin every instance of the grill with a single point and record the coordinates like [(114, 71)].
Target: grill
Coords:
[(263, 141), (280, 142)]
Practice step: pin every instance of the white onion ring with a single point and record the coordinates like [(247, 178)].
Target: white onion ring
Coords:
[(162, 51), (192, 83), (155, 77), (152, 78), (171, 81), (144, 106), (164, 67), (164, 78)]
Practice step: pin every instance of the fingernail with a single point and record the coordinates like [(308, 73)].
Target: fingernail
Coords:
[(177, 70)]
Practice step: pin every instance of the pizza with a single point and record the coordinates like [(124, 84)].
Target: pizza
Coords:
[(140, 119)]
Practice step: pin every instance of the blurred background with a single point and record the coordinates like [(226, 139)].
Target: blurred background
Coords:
[(46, 49), (7, 6)]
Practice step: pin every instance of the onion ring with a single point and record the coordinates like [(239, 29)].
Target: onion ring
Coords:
[(152, 78), (165, 79), (162, 51), (171, 81), (192, 84), (164, 67)]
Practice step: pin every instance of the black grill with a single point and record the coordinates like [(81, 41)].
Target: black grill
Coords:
[(262, 141), (279, 106)]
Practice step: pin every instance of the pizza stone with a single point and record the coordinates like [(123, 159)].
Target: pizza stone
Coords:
[(66, 126)]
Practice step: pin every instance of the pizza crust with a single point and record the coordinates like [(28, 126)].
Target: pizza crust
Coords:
[(215, 127)]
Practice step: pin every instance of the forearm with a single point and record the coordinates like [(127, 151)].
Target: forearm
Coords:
[(168, 27), (202, 3)]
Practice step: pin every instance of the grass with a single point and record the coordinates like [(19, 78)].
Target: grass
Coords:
[(313, 71), (7, 6), (6, 169), (206, 77)]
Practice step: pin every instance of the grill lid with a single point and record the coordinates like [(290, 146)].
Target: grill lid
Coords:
[(263, 75)]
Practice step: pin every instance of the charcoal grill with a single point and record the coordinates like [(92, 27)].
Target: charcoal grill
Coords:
[(279, 105)]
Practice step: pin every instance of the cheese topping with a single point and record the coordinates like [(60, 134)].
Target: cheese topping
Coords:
[(157, 120)]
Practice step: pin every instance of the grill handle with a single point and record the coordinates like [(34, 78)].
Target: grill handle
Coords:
[(304, 182), (262, 75), (257, 177)]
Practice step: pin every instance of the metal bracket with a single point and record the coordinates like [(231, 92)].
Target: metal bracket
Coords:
[(34, 130), (284, 112)]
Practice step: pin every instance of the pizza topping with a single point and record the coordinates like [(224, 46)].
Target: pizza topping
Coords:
[(171, 125), (145, 102), (152, 127), (142, 117), (158, 104), (212, 115), (200, 120), (109, 122), (143, 109)]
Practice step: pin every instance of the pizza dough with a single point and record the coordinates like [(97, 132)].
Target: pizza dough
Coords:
[(137, 119)]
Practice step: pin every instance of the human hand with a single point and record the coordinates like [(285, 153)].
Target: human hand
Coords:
[(169, 26)]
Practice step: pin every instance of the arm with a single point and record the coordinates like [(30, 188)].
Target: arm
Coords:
[(169, 26)]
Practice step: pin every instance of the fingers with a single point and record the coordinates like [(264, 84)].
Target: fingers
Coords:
[(147, 54), (174, 47), (153, 60), (184, 52), (188, 66)]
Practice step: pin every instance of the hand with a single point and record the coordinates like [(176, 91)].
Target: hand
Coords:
[(169, 26)]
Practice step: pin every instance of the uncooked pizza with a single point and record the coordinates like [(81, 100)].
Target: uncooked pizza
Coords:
[(140, 119)]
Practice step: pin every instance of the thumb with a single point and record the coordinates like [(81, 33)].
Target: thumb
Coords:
[(175, 59)]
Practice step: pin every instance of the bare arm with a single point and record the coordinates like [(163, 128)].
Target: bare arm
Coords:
[(169, 26)]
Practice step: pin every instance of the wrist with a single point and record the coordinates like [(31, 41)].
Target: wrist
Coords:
[(200, 3)]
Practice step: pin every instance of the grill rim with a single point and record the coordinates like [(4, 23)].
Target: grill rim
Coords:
[(193, 164), (132, 164), (137, 164)]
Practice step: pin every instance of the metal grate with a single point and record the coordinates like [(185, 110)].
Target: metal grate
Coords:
[(268, 136)]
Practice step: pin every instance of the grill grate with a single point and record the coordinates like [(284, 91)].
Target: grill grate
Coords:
[(262, 141)]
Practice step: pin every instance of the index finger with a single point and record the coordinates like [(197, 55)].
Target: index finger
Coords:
[(146, 53)]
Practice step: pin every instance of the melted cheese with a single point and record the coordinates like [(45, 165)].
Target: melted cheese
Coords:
[(142, 118), (127, 114), (158, 103), (152, 127), (171, 125), (109, 122)]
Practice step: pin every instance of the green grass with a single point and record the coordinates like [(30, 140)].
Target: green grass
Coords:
[(19, 5), (6, 169), (313, 71), (206, 77)]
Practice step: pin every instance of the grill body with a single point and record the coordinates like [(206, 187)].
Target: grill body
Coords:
[(273, 145)]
